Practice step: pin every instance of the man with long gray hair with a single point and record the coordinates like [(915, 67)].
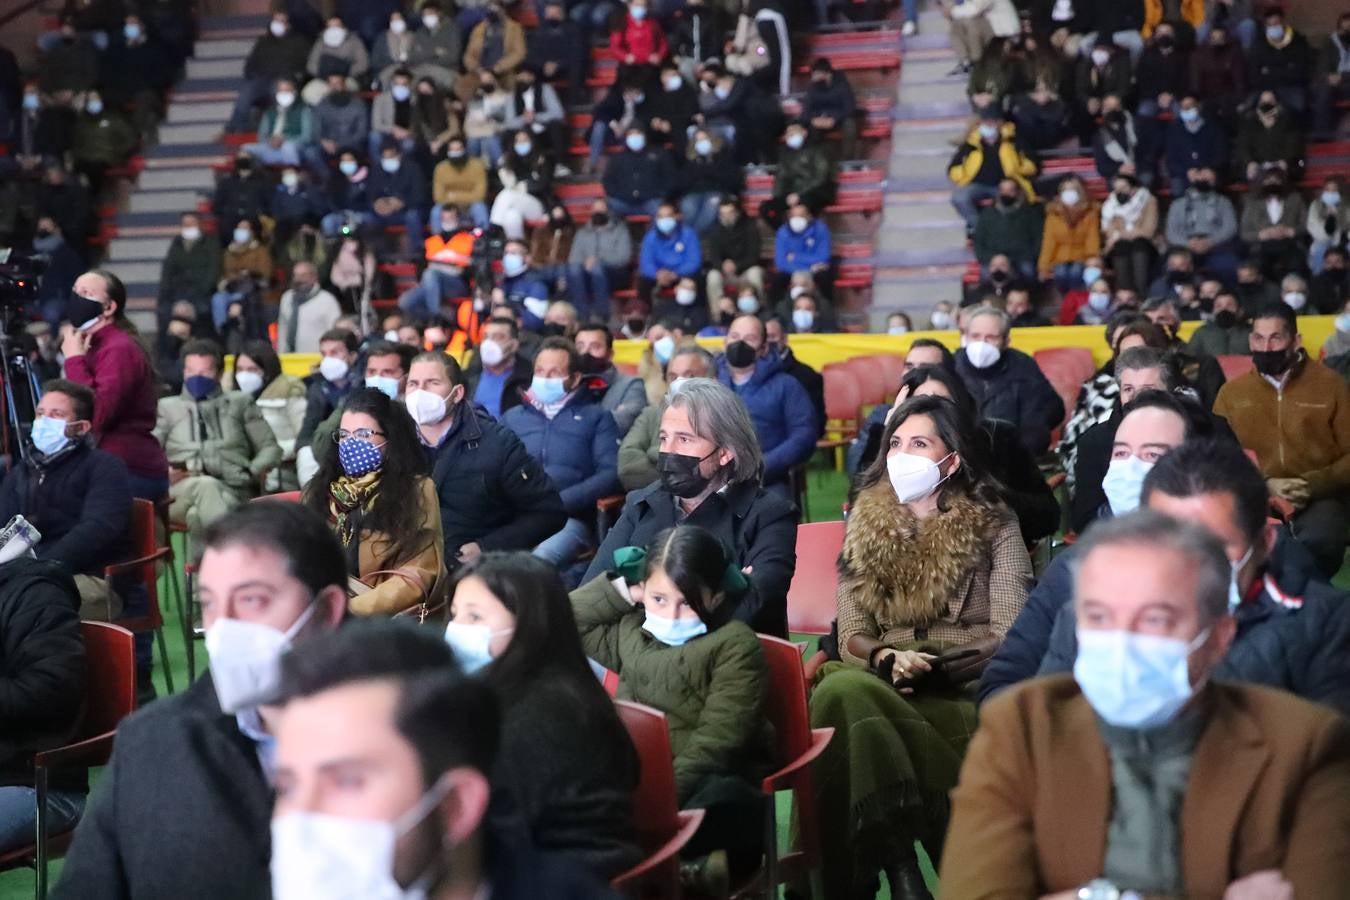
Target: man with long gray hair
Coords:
[(1139, 772), (709, 473)]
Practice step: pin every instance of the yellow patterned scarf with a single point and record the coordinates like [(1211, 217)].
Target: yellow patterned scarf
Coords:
[(346, 495)]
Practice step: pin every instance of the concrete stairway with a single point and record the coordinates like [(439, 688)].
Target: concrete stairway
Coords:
[(178, 176), (921, 247)]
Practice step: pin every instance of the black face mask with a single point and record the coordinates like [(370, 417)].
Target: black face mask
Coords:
[(1122, 199), (1115, 118), (680, 474), (636, 326), (1178, 276), (1225, 319), (552, 329), (600, 220), (1272, 362), (1266, 108), (1166, 42), (591, 365), (81, 309), (1203, 185), (998, 276), (1007, 199), (740, 355)]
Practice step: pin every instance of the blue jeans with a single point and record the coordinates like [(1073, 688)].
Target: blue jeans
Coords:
[(590, 291), (1069, 276), (911, 8), (1245, 31), (288, 154), (489, 147), (411, 218), (560, 549), (477, 213), (700, 210), (50, 39), (18, 814), (602, 136), (593, 15), (633, 207), (252, 92), (428, 296), (966, 200)]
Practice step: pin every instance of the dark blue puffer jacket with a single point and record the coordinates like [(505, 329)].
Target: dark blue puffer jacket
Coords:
[(578, 448), (784, 418)]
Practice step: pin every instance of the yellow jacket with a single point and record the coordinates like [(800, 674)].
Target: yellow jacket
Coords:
[(1063, 242), (1193, 11), (422, 569), (1016, 165)]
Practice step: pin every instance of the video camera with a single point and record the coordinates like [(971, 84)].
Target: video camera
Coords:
[(489, 246), (19, 275)]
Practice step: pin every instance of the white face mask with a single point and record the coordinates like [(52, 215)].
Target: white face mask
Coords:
[(472, 644), (675, 386), (897, 330), (290, 179), (942, 321), (425, 407), (333, 36), (341, 858), (191, 233), (248, 382), (1069, 197), (491, 353), (278, 29), (982, 354), (1234, 594), (797, 224), (1296, 300), (285, 98), (1135, 680), (398, 26), (333, 368), (246, 659), (914, 477), (685, 296), (1123, 484)]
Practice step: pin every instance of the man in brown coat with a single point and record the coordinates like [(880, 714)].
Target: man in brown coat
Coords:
[(1140, 773)]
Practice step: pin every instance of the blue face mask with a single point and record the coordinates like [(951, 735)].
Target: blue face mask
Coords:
[(1189, 115), (674, 632), (199, 387), (513, 264), (386, 386), (1343, 323), (1234, 594), (1091, 274), (663, 348), (547, 390), (1123, 483), (49, 435), (1135, 680), (471, 645), (359, 457), (665, 224)]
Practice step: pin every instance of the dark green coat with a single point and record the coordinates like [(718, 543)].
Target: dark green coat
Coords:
[(712, 690), (1016, 232), (802, 171)]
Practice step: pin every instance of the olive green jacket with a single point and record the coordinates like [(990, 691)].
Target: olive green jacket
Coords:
[(712, 689), (224, 436)]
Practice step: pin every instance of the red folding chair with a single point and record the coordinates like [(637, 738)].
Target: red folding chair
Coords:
[(148, 555), (894, 367), (871, 378), (662, 827), (843, 406), (811, 604), (1066, 368), (110, 696), (797, 747)]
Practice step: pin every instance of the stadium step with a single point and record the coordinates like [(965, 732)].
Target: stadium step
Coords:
[(234, 48), (216, 111), (195, 178), (195, 133), (138, 273), (162, 201), (137, 249), (920, 250), (200, 69)]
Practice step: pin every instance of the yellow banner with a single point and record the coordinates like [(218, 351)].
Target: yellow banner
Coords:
[(817, 350)]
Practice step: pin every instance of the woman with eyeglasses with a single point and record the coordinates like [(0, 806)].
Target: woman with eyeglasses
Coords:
[(373, 487)]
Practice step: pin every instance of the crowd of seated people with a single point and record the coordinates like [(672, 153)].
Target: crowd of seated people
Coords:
[(1198, 127), (428, 617)]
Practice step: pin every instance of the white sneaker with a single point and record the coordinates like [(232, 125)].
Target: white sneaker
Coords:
[(910, 28), (561, 171)]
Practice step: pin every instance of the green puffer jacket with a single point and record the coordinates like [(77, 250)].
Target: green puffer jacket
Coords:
[(238, 445), (712, 689)]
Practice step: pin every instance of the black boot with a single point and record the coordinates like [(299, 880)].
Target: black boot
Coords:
[(906, 879)]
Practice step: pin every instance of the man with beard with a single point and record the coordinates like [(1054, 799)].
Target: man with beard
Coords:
[(1294, 413)]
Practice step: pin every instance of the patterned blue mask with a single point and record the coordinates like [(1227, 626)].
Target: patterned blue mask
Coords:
[(359, 457)]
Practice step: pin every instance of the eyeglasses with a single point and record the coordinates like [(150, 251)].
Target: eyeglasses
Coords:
[(360, 434)]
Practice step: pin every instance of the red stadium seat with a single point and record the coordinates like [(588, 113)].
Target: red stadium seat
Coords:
[(1066, 368), (1235, 365), (811, 596)]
